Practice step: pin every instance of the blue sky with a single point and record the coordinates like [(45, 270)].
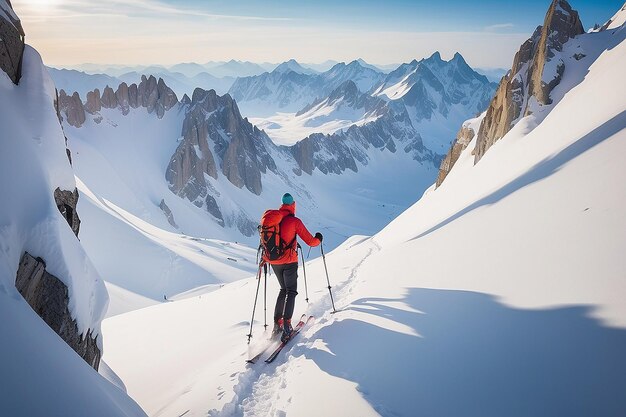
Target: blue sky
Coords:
[(166, 32), (409, 15)]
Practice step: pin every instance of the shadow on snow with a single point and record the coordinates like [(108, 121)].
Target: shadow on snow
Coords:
[(478, 357)]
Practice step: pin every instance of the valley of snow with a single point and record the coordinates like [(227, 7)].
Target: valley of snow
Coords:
[(120, 165), (499, 293)]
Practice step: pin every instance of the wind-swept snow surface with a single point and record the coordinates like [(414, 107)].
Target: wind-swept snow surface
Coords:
[(500, 293)]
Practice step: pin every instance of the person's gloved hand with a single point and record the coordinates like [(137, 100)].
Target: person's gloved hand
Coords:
[(319, 236)]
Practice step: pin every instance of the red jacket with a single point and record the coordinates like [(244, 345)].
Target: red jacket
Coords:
[(291, 226)]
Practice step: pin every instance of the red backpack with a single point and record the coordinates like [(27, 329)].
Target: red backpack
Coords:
[(272, 245)]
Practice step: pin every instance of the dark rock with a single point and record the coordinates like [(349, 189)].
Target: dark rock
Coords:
[(168, 213), (93, 104), (66, 202), (11, 46), (123, 98), (109, 99), (133, 96), (72, 108), (48, 297)]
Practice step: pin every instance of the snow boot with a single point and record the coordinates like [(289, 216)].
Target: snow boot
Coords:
[(287, 330), (278, 329)]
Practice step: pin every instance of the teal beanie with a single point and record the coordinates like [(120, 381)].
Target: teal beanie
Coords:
[(287, 199)]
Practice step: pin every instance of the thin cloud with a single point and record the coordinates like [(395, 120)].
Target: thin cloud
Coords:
[(497, 27), (129, 8)]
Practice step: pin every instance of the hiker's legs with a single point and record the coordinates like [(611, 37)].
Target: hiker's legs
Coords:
[(290, 278), (280, 301), (287, 276)]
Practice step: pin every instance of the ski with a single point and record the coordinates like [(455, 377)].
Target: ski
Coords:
[(272, 341), (296, 330)]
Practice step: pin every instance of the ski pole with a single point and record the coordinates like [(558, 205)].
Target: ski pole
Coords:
[(255, 299), (327, 279), (306, 289), (265, 295)]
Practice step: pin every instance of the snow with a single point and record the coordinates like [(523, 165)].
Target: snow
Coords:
[(123, 301), (499, 293), (34, 158), (327, 118), (618, 19), (41, 374)]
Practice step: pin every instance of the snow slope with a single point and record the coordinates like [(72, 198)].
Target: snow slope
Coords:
[(41, 374), (500, 293)]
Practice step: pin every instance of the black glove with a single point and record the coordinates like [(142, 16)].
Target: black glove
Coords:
[(319, 236)]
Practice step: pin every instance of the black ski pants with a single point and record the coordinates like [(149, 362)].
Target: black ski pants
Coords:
[(287, 275)]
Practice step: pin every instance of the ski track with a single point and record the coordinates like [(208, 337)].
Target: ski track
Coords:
[(260, 387)]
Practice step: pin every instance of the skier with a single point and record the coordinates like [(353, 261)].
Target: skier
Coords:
[(286, 267)]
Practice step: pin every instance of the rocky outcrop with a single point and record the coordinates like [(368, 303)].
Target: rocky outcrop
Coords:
[(122, 96), (537, 69), (463, 139), (11, 43), (154, 95), (66, 202), (72, 107), (214, 133), (217, 140), (109, 99), (168, 213), (48, 297), (93, 104)]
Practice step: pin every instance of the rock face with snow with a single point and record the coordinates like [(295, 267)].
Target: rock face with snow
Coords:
[(348, 94), (48, 296), (347, 149), (217, 140), (11, 42), (433, 86), (461, 142), (537, 69)]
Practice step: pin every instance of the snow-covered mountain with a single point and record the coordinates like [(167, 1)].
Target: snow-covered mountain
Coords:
[(199, 168), (344, 107), (437, 95), (293, 65), (188, 69), (80, 82), (234, 68), (495, 288), (290, 91)]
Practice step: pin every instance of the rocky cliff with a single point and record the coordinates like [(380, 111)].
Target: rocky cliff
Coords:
[(537, 69), (11, 42), (217, 140), (49, 297)]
